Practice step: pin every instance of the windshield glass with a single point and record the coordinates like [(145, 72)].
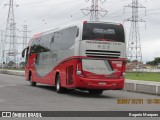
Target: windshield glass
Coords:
[(102, 31)]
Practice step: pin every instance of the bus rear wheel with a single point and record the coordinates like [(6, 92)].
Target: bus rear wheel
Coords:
[(31, 82), (59, 89), (95, 92)]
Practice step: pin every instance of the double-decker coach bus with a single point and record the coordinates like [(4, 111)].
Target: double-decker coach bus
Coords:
[(88, 56)]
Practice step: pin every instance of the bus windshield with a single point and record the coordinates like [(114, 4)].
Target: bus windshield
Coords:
[(102, 31)]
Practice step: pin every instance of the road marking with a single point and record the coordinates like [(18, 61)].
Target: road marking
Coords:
[(10, 85)]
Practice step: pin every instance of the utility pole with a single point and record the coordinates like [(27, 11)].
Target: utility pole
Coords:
[(94, 10), (10, 34), (25, 36), (2, 48), (134, 51), (1, 44)]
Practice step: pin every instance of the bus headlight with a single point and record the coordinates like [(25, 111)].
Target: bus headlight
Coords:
[(79, 72)]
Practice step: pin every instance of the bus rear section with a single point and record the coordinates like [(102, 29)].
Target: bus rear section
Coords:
[(104, 50)]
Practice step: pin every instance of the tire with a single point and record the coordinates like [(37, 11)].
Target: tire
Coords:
[(31, 82), (59, 89), (95, 92)]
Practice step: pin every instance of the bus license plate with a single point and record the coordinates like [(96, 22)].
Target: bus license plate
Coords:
[(102, 83)]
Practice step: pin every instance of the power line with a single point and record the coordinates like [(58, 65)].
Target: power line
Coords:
[(35, 5), (34, 2), (70, 14), (61, 24), (94, 10)]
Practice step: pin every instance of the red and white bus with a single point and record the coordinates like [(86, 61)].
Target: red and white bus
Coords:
[(87, 55)]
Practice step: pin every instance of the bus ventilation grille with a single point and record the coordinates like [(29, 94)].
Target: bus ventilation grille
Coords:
[(103, 53)]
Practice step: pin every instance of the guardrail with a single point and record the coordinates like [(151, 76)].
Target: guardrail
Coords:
[(147, 70), (130, 85)]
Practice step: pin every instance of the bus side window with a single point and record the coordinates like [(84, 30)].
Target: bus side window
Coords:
[(55, 42), (68, 37)]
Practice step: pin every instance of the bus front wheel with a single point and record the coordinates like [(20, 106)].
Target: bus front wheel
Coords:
[(59, 89)]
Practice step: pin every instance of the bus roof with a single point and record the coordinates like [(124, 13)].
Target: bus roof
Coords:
[(69, 25)]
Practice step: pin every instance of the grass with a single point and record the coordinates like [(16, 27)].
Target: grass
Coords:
[(155, 77)]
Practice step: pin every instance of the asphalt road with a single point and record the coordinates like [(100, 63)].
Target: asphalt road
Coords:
[(17, 95)]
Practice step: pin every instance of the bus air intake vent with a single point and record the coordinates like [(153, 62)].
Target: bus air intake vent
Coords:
[(103, 53)]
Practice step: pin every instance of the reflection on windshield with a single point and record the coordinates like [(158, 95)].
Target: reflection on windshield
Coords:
[(99, 31)]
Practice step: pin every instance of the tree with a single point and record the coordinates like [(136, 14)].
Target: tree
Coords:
[(155, 62), (11, 63)]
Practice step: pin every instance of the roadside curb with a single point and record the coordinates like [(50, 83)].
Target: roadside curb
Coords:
[(142, 86), (130, 85), (12, 72)]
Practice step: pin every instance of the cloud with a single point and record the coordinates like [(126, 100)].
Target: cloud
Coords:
[(150, 49), (42, 15)]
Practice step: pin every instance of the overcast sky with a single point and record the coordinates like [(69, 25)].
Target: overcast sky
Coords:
[(41, 15)]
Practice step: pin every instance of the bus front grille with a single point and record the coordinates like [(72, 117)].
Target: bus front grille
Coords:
[(103, 53)]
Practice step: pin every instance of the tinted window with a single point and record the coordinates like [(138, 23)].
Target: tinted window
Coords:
[(39, 45), (64, 39), (100, 31), (59, 40)]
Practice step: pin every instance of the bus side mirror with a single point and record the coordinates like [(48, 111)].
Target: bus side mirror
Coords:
[(77, 32), (23, 53)]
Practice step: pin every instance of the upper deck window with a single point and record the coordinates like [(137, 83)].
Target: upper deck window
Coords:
[(102, 31)]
